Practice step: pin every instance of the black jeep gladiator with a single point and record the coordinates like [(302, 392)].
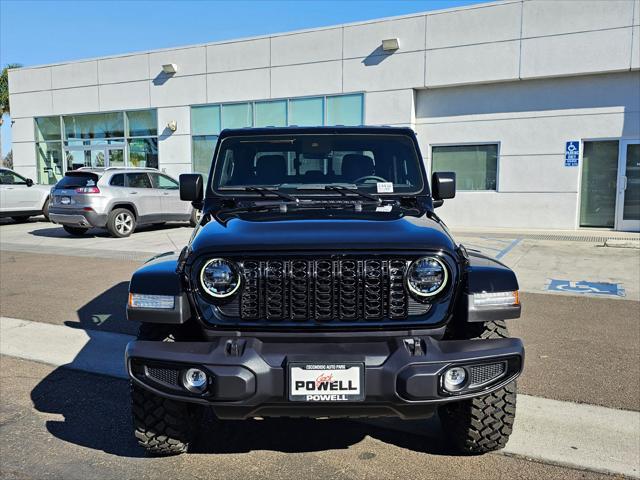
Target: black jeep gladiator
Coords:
[(321, 283)]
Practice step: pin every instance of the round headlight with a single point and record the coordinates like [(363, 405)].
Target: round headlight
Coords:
[(427, 276), (219, 278)]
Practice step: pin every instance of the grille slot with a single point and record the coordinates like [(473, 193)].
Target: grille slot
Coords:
[(324, 290), (164, 375), (482, 374)]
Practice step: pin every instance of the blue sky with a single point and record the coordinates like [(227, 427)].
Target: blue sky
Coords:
[(47, 31)]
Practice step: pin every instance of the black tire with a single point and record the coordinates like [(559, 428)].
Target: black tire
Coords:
[(121, 222), (45, 210), (75, 231), (20, 219), (162, 426), (482, 424), (195, 217)]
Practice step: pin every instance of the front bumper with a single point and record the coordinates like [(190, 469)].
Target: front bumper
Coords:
[(402, 375), (77, 218)]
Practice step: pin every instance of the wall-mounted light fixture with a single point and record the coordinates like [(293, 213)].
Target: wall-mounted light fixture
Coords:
[(390, 44), (172, 125), (170, 68)]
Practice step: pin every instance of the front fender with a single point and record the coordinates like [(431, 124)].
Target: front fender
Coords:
[(487, 275), (159, 276)]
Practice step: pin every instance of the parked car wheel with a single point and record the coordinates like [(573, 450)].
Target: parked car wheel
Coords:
[(121, 222), (196, 215), (45, 209), (75, 231), (482, 424), (20, 219)]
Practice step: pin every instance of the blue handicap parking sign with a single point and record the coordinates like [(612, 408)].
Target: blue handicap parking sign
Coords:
[(571, 154), (582, 287)]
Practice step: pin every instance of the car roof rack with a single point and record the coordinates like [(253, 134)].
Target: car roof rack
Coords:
[(131, 168)]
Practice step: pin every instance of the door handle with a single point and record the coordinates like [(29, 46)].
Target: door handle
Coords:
[(165, 193), (133, 193), (624, 184)]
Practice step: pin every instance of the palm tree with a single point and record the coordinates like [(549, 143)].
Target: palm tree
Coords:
[(4, 97)]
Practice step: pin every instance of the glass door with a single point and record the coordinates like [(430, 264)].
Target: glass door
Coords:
[(115, 157), (598, 184), (628, 208)]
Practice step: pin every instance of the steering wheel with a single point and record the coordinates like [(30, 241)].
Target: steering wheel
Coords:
[(373, 178)]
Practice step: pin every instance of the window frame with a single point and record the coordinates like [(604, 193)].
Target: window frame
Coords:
[(498, 145)]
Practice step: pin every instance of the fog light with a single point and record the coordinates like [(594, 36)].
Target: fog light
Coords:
[(454, 379), (194, 380)]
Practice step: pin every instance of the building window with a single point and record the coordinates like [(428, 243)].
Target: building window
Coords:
[(345, 110), (271, 114), (208, 120), (476, 166), (95, 140)]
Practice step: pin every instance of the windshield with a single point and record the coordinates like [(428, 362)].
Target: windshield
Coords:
[(295, 163)]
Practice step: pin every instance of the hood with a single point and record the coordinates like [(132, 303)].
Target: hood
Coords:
[(404, 233)]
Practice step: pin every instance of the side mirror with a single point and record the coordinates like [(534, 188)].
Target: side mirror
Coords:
[(191, 188), (443, 185), (29, 182)]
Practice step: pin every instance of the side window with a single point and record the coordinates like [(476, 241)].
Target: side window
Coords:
[(138, 180), (10, 178), (117, 180), (163, 182)]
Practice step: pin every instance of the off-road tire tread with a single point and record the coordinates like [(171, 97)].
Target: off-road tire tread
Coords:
[(162, 426), (482, 424)]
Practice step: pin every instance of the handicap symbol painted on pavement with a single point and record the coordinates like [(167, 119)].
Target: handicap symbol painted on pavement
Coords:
[(584, 287)]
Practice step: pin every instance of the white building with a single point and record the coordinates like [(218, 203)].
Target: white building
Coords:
[(494, 91)]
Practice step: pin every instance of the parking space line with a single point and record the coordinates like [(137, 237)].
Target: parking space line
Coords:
[(508, 248), (565, 433)]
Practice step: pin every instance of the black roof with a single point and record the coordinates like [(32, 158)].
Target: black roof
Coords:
[(339, 129)]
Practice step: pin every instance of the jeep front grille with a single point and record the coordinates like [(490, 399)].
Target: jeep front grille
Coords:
[(323, 290)]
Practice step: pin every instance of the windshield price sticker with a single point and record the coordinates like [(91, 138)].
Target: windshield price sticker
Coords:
[(384, 187)]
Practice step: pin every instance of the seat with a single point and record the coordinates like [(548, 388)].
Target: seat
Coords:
[(271, 169), (314, 176), (356, 166)]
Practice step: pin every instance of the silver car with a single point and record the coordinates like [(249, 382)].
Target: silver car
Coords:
[(118, 199)]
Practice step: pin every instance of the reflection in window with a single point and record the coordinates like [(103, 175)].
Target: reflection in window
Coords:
[(49, 162), (271, 114), (237, 115), (205, 120), (97, 125), (475, 165), (143, 152), (345, 110), (142, 123), (202, 151), (48, 128), (306, 112)]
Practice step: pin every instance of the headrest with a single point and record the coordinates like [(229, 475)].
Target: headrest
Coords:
[(271, 169), (355, 166)]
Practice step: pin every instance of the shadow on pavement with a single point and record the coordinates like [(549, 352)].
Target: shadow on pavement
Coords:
[(56, 231)]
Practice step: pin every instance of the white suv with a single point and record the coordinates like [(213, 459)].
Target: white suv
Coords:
[(118, 199), (20, 198)]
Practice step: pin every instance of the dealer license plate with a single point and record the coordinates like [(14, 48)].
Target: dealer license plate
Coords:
[(326, 382)]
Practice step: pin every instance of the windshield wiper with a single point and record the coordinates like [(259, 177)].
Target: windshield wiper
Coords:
[(264, 191), (346, 190)]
